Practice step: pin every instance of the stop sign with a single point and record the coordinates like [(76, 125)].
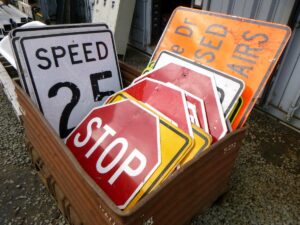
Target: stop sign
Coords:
[(168, 100), (202, 86), (118, 146)]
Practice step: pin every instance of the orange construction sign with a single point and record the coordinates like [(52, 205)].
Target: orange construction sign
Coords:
[(245, 48)]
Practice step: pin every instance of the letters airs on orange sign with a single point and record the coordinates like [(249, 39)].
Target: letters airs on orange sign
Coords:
[(245, 48)]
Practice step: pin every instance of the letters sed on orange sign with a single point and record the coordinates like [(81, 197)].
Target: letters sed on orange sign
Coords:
[(244, 48)]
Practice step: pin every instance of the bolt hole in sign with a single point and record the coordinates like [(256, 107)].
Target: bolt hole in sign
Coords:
[(202, 86), (71, 73), (244, 48), (127, 149)]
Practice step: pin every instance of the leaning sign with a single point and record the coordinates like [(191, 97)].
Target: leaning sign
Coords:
[(70, 73), (245, 48)]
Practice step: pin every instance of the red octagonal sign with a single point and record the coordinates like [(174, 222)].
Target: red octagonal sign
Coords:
[(118, 146)]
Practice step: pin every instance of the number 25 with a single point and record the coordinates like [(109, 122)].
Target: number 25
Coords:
[(64, 131)]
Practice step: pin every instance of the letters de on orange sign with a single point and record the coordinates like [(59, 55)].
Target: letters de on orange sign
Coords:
[(245, 48)]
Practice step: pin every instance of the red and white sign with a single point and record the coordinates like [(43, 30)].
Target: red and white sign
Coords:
[(119, 152), (196, 106), (168, 100), (196, 109), (202, 86)]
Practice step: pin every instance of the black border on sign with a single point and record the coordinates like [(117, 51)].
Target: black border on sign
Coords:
[(236, 110), (14, 32), (206, 142), (181, 134), (234, 79), (58, 35), (54, 27), (174, 158), (18, 62), (245, 20)]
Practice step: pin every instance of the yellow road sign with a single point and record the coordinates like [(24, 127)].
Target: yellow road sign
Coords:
[(202, 142), (149, 67)]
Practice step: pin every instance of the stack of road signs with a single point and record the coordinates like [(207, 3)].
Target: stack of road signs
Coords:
[(66, 70), (167, 116), (174, 105), (139, 137), (175, 110), (128, 149), (244, 48), (115, 145), (199, 85)]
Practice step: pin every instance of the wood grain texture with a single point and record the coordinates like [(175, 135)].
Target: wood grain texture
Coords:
[(184, 194)]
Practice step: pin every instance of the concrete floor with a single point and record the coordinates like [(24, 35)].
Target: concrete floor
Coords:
[(265, 185)]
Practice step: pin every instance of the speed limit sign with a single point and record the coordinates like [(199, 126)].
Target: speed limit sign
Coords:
[(70, 73)]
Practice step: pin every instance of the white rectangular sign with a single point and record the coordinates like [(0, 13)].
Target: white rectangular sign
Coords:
[(40, 29), (70, 74)]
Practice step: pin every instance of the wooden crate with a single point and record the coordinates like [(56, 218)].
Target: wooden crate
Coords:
[(188, 192)]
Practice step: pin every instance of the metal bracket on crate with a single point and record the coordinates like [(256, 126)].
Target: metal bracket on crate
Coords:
[(66, 209), (108, 216), (51, 185), (38, 164), (149, 221), (29, 148), (230, 147)]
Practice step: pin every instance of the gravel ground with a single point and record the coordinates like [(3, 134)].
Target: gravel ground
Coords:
[(23, 198), (265, 186)]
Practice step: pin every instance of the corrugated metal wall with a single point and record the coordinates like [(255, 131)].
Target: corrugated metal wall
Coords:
[(283, 99), (278, 11), (140, 34), (270, 10)]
